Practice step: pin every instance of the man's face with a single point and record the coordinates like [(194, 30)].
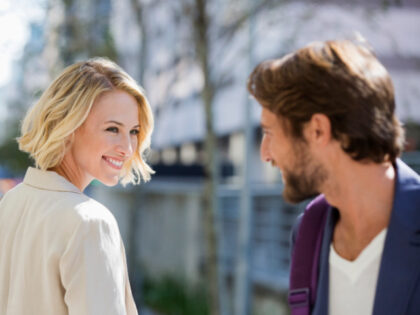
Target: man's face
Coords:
[(302, 174)]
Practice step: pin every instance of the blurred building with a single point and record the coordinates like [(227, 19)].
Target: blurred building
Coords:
[(173, 80)]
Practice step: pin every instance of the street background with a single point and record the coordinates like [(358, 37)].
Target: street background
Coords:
[(210, 233)]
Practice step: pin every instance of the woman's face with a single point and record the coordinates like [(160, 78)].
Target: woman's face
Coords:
[(107, 139)]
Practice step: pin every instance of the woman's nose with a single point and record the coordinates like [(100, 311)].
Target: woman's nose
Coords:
[(125, 147)]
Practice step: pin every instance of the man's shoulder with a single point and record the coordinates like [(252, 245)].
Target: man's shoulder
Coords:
[(407, 176), (408, 184), (407, 196)]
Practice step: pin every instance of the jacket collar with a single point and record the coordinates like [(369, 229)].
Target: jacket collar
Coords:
[(48, 180), (399, 270)]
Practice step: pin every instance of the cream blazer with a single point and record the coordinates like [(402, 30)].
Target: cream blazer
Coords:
[(60, 252)]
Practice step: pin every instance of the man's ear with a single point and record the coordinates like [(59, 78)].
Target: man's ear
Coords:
[(318, 129)]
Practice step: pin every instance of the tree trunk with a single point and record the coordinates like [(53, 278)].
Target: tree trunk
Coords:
[(142, 24), (209, 198), (135, 273)]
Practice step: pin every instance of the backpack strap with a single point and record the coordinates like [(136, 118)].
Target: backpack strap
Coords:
[(305, 257)]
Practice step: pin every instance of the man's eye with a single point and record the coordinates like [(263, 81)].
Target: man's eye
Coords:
[(112, 129), (134, 132)]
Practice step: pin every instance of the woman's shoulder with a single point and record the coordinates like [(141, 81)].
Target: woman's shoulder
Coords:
[(62, 206), (84, 209), (59, 215), (85, 217)]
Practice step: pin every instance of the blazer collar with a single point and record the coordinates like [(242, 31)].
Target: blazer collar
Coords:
[(321, 304), (48, 180), (399, 270)]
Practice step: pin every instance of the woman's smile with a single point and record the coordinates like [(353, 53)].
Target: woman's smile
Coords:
[(113, 162)]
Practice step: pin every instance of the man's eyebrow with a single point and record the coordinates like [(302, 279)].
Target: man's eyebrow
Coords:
[(119, 123), (264, 126)]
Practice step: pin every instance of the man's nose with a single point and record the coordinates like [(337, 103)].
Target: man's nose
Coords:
[(264, 152)]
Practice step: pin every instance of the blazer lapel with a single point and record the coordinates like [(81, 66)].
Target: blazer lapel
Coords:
[(400, 271), (321, 305)]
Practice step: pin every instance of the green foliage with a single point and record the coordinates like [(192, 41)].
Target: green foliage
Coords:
[(108, 47), (10, 155), (412, 135), (15, 160), (172, 296), (83, 37)]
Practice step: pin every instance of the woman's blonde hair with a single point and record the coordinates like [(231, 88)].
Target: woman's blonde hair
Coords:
[(49, 125)]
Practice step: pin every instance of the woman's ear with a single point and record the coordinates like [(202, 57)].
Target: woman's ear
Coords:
[(69, 140)]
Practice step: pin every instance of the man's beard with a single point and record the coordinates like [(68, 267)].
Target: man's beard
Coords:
[(304, 179)]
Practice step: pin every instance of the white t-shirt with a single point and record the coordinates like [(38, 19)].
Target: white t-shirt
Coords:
[(352, 284)]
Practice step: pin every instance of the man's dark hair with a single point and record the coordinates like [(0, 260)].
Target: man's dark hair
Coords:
[(343, 80)]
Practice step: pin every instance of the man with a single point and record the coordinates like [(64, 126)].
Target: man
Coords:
[(328, 119)]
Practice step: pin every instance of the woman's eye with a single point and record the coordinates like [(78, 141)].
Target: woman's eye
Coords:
[(134, 132), (112, 129)]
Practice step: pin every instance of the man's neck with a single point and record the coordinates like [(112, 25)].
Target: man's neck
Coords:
[(363, 193)]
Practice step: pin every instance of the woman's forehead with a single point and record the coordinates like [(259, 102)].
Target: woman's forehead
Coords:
[(115, 105)]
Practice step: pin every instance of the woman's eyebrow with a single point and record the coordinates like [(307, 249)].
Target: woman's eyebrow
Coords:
[(120, 124), (114, 122)]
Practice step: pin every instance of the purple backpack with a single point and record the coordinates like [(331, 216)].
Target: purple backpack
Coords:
[(305, 257)]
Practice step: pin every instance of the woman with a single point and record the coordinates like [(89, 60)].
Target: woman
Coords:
[(61, 252)]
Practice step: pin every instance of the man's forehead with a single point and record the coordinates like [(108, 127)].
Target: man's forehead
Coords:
[(268, 118)]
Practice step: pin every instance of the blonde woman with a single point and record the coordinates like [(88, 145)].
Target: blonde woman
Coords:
[(61, 251)]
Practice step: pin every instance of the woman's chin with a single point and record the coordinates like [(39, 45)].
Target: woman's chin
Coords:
[(110, 182)]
